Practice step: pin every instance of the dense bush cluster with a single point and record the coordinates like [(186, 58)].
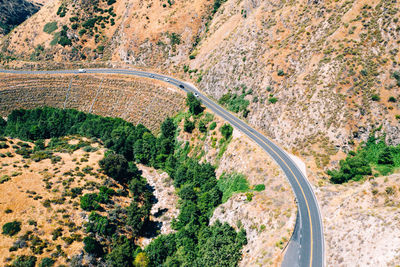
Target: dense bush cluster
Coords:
[(236, 102), (375, 154), (194, 242)]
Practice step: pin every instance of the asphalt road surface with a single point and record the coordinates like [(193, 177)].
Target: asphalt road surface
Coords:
[(307, 245)]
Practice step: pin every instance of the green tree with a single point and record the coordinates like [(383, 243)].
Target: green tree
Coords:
[(141, 260), (92, 246), (122, 254), (386, 157), (168, 128), (226, 131), (220, 245), (100, 225), (202, 126), (116, 166), (194, 104), (88, 202), (160, 248), (135, 218), (188, 126)]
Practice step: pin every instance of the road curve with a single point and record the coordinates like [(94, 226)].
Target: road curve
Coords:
[(310, 230)]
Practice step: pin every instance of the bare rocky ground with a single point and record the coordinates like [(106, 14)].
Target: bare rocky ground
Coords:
[(166, 206), (361, 222)]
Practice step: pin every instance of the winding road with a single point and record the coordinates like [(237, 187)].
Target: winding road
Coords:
[(307, 245)]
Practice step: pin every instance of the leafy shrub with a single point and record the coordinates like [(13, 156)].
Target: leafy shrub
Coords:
[(24, 261), (64, 41), (11, 228), (386, 157), (220, 243), (100, 225), (47, 262), (226, 131), (352, 168), (56, 233), (392, 99), (82, 32), (89, 23), (161, 248), (273, 100), (3, 145), (217, 5), (396, 75), (375, 97), (100, 49), (213, 125), (122, 253), (74, 19), (188, 126), (202, 126), (50, 27), (46, 203), (234, 102), (232, 183), (281, 73), (141, 259), (88, 202), (249, 196), (259, 187), (4, 178)]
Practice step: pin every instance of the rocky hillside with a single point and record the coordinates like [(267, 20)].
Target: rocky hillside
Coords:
[(14, 12), (316, 76), (361, 222)]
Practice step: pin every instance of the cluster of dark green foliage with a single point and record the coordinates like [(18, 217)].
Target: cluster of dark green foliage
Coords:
[(62, 10), (175, 39), (226, 131), (11, 228), (47, 262), (189, 125), (194, 104), (195, 242), (24, 261), (375, 154), (217, 5), (396, 75), (64, 40), (236, 102)]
